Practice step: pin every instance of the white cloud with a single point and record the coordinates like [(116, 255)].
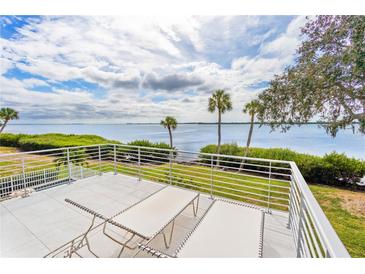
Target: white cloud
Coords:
[(286, 43), (188, 55), (33, 82)]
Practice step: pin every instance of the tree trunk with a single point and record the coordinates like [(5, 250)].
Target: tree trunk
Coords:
[(170, 134), (248, 140), (249, 135), (3, 125), (219, 135)]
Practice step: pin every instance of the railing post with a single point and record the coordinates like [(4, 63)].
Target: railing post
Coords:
[(269, 190), (99, 160), (11, 183), (115, 159), (211, 176), (139, 164), (170, 167), (300, 226), (81, 172), (68, 165), (23, 175), (44, 176), (290, 202)]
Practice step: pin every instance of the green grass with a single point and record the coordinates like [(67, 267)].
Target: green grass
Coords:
[(233, 185), (32, 142), (345, 211), (7, 150)]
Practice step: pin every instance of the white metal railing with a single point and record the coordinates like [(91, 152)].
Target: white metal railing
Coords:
[(272, 184), (314, 236)]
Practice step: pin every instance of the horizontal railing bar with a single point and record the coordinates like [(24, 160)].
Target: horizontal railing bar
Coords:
[(249, 198), (312, 234), (235, 179), (51, 149), (309, 219), (247, 175), (167, 179), (162, 162), (242, 191), (238, 163), (308, 241), (242, 169), (150, 148), (333, 244), (237, 190), (211, 154)]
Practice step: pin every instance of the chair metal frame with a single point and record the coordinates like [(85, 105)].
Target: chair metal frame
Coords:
[(125, 244), (159, 254)]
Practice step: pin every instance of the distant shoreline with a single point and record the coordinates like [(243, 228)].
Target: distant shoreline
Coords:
[(187, 123)]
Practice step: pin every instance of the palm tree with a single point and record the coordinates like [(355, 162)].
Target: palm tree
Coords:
[(7, 114), (170, 123), (220, 101), (251, 108)]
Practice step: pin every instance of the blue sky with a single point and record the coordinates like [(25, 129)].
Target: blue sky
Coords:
[(139, 69)]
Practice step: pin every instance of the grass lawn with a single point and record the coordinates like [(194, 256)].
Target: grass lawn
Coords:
[(12, 165), (6, 150), (345, 210), (227, 184), (5, 162)]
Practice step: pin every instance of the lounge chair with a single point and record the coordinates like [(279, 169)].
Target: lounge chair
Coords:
[(145, 219), (228, 229)]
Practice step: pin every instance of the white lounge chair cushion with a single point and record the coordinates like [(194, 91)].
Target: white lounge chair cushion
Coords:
[(227, 230), (152, 214)]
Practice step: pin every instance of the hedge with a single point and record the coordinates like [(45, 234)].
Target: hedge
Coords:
[(27, 142), (330, 169), (32, 142), (10, 140), (150, 156)]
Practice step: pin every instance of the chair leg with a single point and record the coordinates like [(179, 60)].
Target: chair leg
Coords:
[(125, 244), (167, 245), (74, 249), (89, 248), (195, 209)]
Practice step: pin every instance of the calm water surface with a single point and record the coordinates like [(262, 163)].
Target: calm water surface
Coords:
[(307, 138)]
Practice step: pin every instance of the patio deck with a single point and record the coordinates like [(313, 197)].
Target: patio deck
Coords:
[(42, 222)]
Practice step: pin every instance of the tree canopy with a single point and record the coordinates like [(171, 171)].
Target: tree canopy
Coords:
[(220, 100), (169, 122), (327, 81), (252, 107), (7, 114)]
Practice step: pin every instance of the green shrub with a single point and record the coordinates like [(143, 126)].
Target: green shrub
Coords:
[(146, 143), (331, 169), (150, 155), (10, 140), (342, 168), (50, 140)]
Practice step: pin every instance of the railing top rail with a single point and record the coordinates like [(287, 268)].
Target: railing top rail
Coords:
[(333, 242), (48, 150), (151, 148), (210, 154)]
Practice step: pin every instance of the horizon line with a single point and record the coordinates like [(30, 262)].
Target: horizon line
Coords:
[(154, 123)]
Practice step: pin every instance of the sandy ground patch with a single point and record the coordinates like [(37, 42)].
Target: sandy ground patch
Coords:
[(354, 202)]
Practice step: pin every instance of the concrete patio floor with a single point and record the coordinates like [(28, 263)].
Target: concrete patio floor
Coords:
[(38, 224)]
